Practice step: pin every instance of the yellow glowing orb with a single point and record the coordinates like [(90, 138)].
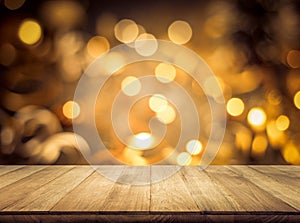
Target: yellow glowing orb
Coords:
[(166, 115), (194, 147), (97, 45), (165, 73), (30, 32), (235, 107), (257, 117), (293, 58), (291, 154), (131, 86), (71, 109), (259, 145), (180, 32), (282, 122), (297, 99), (126, 31), (158, 103), (146, 44), (184, 159)]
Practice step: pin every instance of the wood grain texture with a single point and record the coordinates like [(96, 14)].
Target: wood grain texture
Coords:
[(187, 194)]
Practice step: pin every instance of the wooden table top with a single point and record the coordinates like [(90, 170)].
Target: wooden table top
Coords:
[(218, 193)]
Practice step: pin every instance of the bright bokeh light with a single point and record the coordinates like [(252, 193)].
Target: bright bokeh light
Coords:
[(131, 86), (165, 73), (166, 115), (126, 30), (282, 122), (180, 32), (158, 103), (71, 109), (141, 141), (194, 147), (293, 58), (210, 87), (259, 145), (291, 154), (30, 32), (184, 159), (297, 99), (235, 107), (146, 44), (257, 117), (97, 45), (13, 4)]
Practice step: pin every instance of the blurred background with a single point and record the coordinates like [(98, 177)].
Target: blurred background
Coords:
[(253, 47)]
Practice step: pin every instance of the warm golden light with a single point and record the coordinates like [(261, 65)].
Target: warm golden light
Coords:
[(194, 147), (7, 54), (71, 109), (146, 44), (180, 32), (126, 30), (291, 154), (131, 86), (141, 141), (158, 103), (165, 73), (282, 122), (113, 62), (297, 99), (166, 115), (184, 159), (13, 4), (293, 58), (30, 32), (257, 117), (259, 145), (235, 107), (97, 45)]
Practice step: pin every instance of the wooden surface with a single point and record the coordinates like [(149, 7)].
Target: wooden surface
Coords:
[(216, 194)]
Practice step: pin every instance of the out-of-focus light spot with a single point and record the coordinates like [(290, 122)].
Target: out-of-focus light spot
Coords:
[(297, 99), (131, 86), (180, 32), (291, 154), (158, 103), (146, 44), (184, 159), (274, 97), (7, 54), (243, 139), (30, 32), (216, 26), (276, 137), (13, 4), (126, 31), (282, 122), (165, 73), (141, 29), (97, 45), (141, 141), (7, 135), (194, 147), (235, 106), (211, 89), (113, 62), (293, 58), (166, 115), (259, 145), (71, 110), (257, 117)]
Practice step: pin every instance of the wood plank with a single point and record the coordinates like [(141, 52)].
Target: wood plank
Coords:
[(19, 190), (91, 193), (267, 179), (18, 174), (127, 197), (208, 195), (7, 169), (45, 197), (171, 194), (247, 194), (288, 169)]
